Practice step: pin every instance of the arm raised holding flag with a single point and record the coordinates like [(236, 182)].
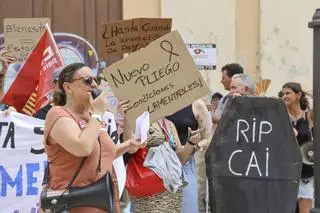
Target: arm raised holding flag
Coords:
[(30, 90), (6, 59)]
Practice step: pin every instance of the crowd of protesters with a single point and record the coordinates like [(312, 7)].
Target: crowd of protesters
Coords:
[(175, 146)]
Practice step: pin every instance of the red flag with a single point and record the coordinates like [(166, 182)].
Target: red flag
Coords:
[(51, 60), (31, 87)]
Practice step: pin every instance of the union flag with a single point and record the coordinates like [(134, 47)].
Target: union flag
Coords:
[(30, 90)]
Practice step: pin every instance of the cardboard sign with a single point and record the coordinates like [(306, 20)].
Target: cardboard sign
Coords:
[(21, 35), (254, 161), (161, 78), (130, 35)]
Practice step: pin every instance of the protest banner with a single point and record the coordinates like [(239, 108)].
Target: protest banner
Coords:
[(21, 35), (23, 160), (254, 162), (30, 89), (161, 78), (130, 35)]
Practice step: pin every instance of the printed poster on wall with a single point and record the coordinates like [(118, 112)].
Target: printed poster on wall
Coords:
[(204, 55)]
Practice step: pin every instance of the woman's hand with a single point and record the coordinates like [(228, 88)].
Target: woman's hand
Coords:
[(210, 107), (99, 104), (123, 107), (9, 110), (194, 136), (136, 143), (131, 146), (6, 59)]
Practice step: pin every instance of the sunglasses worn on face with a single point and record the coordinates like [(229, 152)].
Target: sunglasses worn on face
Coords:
[(88, 80)]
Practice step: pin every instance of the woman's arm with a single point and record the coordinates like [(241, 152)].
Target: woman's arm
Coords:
[(127, 136), (9, 110), (310, 118), (6, 59), (130, 146), (127, 129), (203, 118), (67, 133), (184, 152)]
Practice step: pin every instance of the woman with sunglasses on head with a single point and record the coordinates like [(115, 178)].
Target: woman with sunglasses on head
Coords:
[(300, 116), (73, 132)]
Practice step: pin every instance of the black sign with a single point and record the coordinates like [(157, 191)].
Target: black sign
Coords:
[(254, 162)]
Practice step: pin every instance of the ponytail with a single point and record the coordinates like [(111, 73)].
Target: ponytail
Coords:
[(304, 102), (59, 98), (66, 75)]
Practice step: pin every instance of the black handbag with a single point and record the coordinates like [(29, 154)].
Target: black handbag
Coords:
[(99, 194)]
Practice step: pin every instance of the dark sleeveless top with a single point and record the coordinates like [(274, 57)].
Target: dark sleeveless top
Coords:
[(302, 127), (304, 135), (182, 120)]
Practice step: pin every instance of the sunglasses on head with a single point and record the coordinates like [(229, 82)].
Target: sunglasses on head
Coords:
[(88, 80)]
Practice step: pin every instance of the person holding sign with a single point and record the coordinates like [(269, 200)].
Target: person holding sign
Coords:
[(194, 116), (300, 116), (163, 156), (77, 149), (6, 60)]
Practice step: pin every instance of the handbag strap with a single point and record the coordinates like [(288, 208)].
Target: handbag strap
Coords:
[(167, 133), (81, 165), (76, 173), (45, 180), (46, 174)]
